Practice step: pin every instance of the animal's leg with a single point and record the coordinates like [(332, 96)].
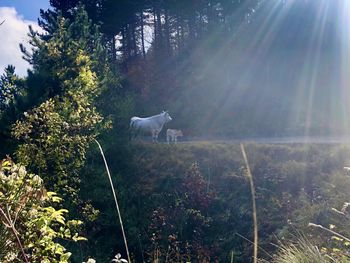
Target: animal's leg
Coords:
[(175, 139), (156, 136), (168, 138), (132, 134), (132, 130), (153, 136), (138, 133)]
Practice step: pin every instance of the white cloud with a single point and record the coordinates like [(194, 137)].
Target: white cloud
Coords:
[(13, 32)]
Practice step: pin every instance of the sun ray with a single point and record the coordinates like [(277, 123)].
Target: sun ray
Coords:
[(345, 62), (287, 52), (309, 79)]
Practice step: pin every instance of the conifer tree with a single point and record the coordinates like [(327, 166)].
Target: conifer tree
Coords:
[(70, 71), (12, 91)]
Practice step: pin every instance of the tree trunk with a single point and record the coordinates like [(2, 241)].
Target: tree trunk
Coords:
[(167, 32), (142, 35), (159, 27), (114, 51), (123, 48), (200, 24), (210, 15), (182, 33), (178, 33), (128, 41), (155, 27), (191, 27), (134, 38)]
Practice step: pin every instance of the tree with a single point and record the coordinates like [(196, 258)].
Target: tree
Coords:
[(12, 91), (9, 90), (71, 68)]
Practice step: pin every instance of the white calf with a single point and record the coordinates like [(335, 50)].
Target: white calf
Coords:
[(171, 135)]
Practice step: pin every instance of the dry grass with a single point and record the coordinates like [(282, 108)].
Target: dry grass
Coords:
[(116, 201), (301, 252), (252, 191)]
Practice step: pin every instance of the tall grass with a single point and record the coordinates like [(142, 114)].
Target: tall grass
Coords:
[(116, 201), (252, 191), (301, 252)]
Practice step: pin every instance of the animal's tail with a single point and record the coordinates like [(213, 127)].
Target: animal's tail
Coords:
[(132, 132)]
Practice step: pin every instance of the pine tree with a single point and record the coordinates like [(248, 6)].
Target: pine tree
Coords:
[(9, 89), (68, 75), (12, 91)]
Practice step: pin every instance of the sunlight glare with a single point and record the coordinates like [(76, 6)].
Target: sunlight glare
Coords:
[(345, 61)]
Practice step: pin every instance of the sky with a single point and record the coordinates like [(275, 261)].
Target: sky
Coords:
[(17, 16)]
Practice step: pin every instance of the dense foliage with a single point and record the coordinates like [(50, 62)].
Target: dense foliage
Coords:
[(171, 206), (61, 128), (53, 112), (12, 93), (30, 225), (70, 70)]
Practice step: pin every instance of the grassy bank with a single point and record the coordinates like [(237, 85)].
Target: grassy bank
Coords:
[(192, 201)]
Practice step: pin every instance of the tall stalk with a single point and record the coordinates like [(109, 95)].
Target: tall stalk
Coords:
[(252, 191), (10, 224), (115, 200)]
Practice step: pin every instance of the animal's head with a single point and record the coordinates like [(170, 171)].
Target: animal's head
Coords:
[(166, 116), (179, 133)]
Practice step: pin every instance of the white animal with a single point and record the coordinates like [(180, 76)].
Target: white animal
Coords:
[(153, 124), (171, 135)]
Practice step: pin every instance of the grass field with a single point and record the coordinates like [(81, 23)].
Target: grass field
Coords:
[(295, 184)]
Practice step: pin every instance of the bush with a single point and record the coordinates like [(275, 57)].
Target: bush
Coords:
[(30, 225)]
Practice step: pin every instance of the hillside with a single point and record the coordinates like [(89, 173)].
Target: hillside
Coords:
[(197, 194)]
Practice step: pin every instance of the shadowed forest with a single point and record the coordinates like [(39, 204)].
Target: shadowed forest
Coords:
[(232, 69)]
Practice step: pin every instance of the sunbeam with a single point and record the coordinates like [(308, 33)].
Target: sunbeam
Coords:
[(282, 70), (345, 62), (311, 68)]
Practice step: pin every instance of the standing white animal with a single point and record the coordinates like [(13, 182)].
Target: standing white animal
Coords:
[(153, 124), (171, 135)]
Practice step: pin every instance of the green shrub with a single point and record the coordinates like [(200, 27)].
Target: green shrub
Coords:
[(30, 225)]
